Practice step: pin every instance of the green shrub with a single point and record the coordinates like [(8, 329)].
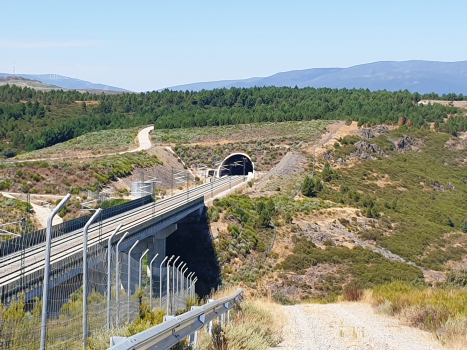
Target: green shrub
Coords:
[(464, 226)]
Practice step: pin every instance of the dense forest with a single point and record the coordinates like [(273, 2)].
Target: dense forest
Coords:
[(32, 119)]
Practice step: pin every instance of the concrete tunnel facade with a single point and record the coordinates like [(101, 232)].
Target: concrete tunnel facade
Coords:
[(235, 163)]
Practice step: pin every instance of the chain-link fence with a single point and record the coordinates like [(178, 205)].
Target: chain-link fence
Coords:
[(21, 308)]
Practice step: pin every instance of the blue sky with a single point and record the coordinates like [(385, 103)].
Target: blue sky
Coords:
[(147, 45)]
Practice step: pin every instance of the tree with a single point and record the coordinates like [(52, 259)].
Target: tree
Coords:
[(311, 188), (327, 173)]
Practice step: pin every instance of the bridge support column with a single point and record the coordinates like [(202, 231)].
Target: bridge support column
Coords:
[(156, 245)]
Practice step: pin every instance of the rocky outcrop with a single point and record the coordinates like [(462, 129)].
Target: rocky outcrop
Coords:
[(373, 132), (407, 143), (380, 129), (367, 150), (367, 133)]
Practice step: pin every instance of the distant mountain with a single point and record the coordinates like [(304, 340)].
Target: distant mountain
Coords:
[(23, 82), (415, 76), (61, 81)]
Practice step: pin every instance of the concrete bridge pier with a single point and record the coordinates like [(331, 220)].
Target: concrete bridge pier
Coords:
[(156, 243)]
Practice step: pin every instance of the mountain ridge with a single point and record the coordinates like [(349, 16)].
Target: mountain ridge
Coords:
[(64, 82), (415, 76)]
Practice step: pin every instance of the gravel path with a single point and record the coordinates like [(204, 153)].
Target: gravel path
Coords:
[(350, 326)]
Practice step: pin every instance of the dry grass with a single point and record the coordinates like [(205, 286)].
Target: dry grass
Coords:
[(440, 310), (255, 324)]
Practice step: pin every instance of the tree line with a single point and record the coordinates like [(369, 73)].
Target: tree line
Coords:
[(28, 118)]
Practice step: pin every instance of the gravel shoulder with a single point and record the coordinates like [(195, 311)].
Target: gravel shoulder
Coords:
[(350, 326)]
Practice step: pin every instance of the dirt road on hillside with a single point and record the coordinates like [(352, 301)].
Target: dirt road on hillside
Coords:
[(350, 326), (144, 141)]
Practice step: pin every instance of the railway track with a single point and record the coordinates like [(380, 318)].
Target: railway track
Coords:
[(71, 243)]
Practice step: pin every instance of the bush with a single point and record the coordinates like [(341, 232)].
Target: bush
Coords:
[(352, 293), (464, 226)]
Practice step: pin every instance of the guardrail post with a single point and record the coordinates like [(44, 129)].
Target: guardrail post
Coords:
[(117, 281), (129, 279), (210, 324), (45, 285), (85, 277), (109, 273)]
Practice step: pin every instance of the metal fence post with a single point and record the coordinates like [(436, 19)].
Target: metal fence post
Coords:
[(141, 267), (85, 277), (176, 288), (160, 282), (188, 279), (179, 280), (109, 272), (183, 281), (168, 285), (117, 281), (45, 285), (129, 280), (173, 286), (150, 280), (193, 287)]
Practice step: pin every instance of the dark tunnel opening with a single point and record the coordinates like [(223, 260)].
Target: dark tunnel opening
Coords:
[(236, 164)]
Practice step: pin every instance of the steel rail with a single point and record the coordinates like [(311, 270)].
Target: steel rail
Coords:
[(179, 197), (74, 235), (11, 258)]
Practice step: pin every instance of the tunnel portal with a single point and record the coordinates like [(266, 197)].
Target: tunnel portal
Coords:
[(236, 164)]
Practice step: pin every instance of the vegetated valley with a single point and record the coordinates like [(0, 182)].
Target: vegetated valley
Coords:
[(358, 194)]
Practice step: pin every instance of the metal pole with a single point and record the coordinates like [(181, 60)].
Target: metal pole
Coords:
[(45, 285), (183, 281), (141, 267), (188, 283), (109, 272), (117, 280), (173, 285), (193, 288), (187, 188), (160, 282), (244, 168), (179, 277), (191, 284), (150, 280), (128, 279), (168, 285), (85, 277)]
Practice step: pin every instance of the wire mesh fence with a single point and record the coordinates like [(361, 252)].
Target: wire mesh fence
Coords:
[(20, 310)]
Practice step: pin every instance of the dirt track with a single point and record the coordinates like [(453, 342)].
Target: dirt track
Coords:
[(350, 326)]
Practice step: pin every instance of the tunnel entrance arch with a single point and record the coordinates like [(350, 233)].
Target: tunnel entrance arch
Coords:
[(236, 164)]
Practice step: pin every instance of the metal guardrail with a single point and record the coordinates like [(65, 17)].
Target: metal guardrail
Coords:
[(174, 330)]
